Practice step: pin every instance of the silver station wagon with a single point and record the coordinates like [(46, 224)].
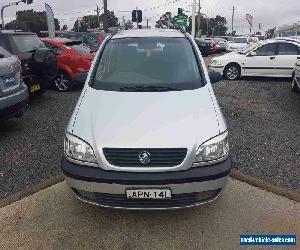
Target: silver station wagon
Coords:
[(147, 132)]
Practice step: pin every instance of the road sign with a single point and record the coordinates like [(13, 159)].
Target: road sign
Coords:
[(179, 22)]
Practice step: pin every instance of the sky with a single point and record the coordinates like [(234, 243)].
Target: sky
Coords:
[(270, 13)]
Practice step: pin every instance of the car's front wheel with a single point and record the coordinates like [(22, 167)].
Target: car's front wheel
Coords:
[(295, 84), (63, 82), (232, 72)]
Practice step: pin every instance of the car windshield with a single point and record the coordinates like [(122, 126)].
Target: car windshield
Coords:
[(250, 48), (27, 43), (240, 40), (81, 49), (148, 64)]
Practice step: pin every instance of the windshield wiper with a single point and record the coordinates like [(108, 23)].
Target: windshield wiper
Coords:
[(147, 89)]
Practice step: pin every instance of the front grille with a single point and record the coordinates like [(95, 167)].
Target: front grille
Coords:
[(121, 201), (159, 157)]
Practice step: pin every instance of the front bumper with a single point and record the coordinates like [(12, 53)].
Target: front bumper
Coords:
[(13, 104), (219, 69), (80, 78), (107, 188)]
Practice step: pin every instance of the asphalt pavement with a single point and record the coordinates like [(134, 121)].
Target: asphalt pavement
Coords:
[(54, 219)]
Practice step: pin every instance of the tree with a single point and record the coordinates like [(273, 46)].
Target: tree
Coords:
[(215, 26), (91, 21), (30, 20), (129, 25), (164, 21), (270, 33), (65, 27)]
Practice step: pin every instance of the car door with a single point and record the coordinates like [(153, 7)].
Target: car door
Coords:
[(288, 54), (261, 62)]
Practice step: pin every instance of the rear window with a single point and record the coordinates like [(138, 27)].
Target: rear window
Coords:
[(81, 49), (147, 63), (240, 40), (27, 43)]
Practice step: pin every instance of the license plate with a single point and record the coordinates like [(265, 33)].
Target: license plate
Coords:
[(155, 194), (9, 82), (35, 87)]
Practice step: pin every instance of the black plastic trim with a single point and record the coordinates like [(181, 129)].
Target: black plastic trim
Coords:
[(98, 175)]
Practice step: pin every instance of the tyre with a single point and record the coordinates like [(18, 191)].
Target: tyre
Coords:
[(232, 72), (62, 82), (295, 85)]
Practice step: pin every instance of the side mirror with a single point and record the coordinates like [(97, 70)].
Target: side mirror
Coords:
[(215, 77), (252, 53)]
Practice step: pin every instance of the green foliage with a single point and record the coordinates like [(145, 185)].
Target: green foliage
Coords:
[(91, 22), (164, 21), (30, 20), (212, 26)]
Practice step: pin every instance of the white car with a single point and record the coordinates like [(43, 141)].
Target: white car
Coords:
[(272, 58), (240, 43), (296, 78)]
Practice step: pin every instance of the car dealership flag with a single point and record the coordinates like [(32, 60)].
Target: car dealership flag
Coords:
[(249, 18), (50, 20)]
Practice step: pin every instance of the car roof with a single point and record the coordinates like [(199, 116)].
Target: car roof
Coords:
[(294, 41), (12, 32), (56, 39), (140, 33)]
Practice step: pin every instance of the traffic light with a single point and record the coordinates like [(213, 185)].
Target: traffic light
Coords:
[(137, 16), (180, 12)]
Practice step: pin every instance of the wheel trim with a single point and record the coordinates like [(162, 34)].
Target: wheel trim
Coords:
[(61, 82), (232, 73)]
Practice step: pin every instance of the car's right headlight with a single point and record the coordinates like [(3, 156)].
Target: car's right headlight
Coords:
[(214, 149), (78, 149)]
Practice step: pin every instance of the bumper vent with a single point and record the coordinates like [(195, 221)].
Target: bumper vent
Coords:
[(163, 157)]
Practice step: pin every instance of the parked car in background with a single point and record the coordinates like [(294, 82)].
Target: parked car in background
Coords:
[(272, 58), (296, 78), (73, 61), (211, 42), (93, 40), (137, 140), (38, 63), (204, 46), (13, 91), (240, 43), (220, 44)]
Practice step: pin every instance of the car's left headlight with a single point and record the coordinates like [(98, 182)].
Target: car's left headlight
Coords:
[(215, 62), (214, 149), (78, 149)]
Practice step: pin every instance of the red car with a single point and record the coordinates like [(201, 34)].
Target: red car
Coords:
[(73, 62)]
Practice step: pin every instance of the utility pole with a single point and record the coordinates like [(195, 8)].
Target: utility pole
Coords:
[(105, 17), (199, 17), (12, 4), (98, 16), (232, 21), (194, 18)]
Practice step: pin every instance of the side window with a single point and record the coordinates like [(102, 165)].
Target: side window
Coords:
[(288, 49), (267, 50)]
